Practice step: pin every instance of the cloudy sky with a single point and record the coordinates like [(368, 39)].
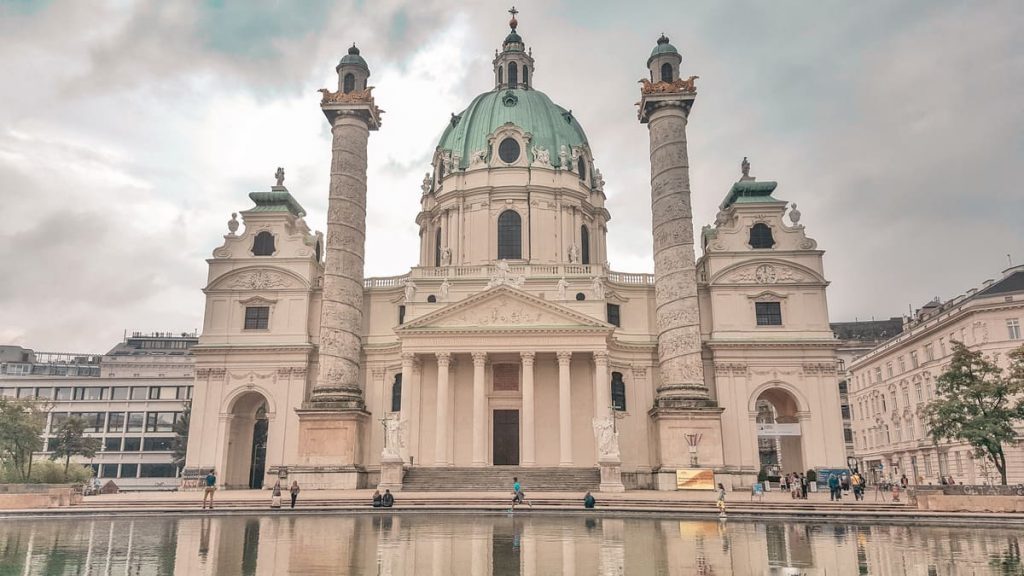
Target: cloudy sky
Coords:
[(129, 131)]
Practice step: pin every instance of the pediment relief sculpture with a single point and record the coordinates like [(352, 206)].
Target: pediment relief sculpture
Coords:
[(502, 308), (256, 280)]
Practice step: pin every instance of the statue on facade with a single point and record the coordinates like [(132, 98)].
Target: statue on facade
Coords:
[(745, 168), (502, 275), (478, 157), (563, 287), (574, 254), (598, 180), (541, 156), (445, 287), (394, 437), (233, 224), (446, 256), (410, 290), (280, 176), (563, 158), (427, 181), (607, 438), (598, 288)]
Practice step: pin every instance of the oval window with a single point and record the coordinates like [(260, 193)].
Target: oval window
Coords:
[(508, 150)]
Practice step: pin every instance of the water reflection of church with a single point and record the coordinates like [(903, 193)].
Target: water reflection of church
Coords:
[(512, 342)]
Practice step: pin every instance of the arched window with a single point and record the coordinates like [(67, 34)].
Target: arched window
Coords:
[(666, 72), (513, 75), (761, 236), (316, 251), (526, 76), (510, 236), (263, 245), (618, 391), (396, 394), (581, 167), (584, 245), (501, 70), (437, 247), (349, 84), (440, 171)]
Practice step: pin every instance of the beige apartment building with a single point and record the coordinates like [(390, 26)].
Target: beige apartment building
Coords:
[(891, 385), (512, 342)]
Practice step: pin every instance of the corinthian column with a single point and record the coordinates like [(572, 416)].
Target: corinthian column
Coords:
[(675, 279), (352, 115)]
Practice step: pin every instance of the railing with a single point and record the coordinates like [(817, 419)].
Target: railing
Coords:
[(527, 270)]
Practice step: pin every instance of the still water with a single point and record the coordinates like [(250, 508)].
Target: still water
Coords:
[(426, 544)]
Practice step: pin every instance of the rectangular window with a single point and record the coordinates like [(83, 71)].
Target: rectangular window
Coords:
[(888, 369), (848, 435), (1013, 328), (927, 465), (157, 471), (119, 393), (959, 463), (917, 391), (768, 313), (129, 471), (108, 470), (64, 394), (90, 393), (163, 393), (913, 359), (878, 374), (115, 422), (401, 314), (132, 444), (150, 444), (94, 421), (257, 317), (929, 352), (903, 365), (613, 315), (57, 419), (26, 392), (846, 411), (140, 393), (160, 421), (44, 393), (112, 444), (136, 420)]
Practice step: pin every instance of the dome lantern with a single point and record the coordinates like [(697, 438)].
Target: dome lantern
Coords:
[(664, 61), (352, 71), (513, 65)]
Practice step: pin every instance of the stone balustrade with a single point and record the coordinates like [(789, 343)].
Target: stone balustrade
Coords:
[(527, 270)]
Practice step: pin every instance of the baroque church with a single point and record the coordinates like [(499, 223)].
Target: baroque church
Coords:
[(512, 343)]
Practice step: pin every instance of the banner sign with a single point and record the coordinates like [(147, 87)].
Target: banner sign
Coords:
[(778, 429), (695, 479)]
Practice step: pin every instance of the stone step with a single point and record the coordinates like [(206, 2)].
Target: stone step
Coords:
[(493, 478)]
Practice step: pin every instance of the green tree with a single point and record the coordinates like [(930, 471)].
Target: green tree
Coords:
[(978, 403), (22, 422), (180, 445), (70, 440)]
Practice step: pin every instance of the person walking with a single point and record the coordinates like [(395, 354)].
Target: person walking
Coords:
[(210, 488), (904, 482), (275, 495), (803, 486), (833, 487), (294, 491), (720, 502), (517, 494), (857, 486)]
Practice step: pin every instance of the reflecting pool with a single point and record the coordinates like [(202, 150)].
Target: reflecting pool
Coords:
[(527, 543)]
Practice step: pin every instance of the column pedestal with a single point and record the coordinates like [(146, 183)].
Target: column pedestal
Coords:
[(330, 450), (672, 426)]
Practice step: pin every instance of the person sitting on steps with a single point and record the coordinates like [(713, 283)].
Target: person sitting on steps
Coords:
[(377, 499), (589, 501), (388, 499)]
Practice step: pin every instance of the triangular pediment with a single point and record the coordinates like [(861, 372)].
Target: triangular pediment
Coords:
[(504, 308)]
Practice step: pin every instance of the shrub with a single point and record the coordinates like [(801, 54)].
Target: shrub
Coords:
[(811, 475), (762, 475), (47, 472)]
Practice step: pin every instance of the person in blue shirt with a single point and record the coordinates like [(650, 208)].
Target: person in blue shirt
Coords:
[(517, 494), (209, 489), (589, 501)]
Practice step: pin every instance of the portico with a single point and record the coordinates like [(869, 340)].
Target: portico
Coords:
[(521, 389)]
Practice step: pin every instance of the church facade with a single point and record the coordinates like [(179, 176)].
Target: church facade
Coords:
[(512, 342)]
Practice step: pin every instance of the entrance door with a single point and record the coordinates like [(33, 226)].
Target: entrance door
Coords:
[(506, 437), (258, 460)]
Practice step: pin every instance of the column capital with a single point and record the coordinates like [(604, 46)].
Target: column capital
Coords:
[(564, 357), (479, 358), (377, 372), (527, 358), (601, 356), (408, 358), (443, 359), (638, 371)]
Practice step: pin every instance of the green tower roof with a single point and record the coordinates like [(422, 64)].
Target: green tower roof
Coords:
[(750, 191), (662, 47), (353, 58), (277, 200), (550, 125)]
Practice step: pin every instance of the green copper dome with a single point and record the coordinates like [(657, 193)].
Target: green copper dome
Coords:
[(550, 125), (353, 58), (663, 47)]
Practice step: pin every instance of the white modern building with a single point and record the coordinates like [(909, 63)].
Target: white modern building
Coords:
[(891, 384), (129, 397)]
